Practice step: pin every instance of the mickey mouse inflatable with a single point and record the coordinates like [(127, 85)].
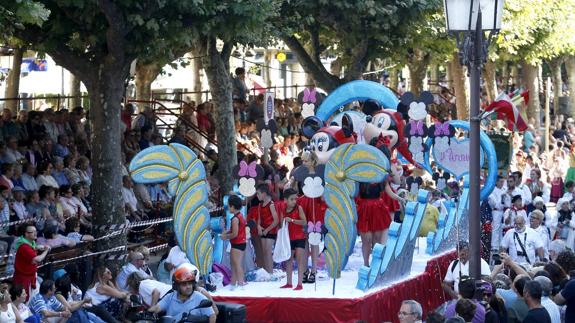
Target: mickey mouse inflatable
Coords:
[(324, 139)]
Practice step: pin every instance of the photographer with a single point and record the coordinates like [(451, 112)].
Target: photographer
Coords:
[(186, 298), (524, 244)]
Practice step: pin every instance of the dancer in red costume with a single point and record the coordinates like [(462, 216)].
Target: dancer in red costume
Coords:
[(294, 216)]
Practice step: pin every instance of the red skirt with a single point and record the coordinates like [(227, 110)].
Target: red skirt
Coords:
[(372, 215), (391, 204)]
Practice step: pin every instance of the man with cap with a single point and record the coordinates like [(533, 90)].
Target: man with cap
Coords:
[(459, 268), (546, 302), (523, 244)]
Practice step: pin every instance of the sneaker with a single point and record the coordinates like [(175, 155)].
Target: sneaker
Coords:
[(298, 287)]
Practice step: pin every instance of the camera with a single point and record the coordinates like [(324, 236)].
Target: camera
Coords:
[(496, 259)]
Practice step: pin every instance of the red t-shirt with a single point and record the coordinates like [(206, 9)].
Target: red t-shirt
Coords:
[(266, 218), (313, 208), (241, 237), (23, 264), (127, 120), (295, 230)]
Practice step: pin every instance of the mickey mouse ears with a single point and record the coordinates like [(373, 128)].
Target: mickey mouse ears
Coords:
[(369, 107), (310, 126)]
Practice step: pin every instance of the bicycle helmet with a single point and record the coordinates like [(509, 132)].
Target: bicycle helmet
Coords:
[(185, 273)]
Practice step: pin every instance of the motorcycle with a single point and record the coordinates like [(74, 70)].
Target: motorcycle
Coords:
[(147, 317)]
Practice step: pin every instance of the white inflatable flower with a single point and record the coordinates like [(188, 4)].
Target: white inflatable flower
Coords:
[(247, 186), (314, 238), (307, 110), (441, 144), (416, 144), (312, 187), (417, 111), (266, 138)]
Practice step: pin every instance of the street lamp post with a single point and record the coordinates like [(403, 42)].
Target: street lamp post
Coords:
[(467, 20)]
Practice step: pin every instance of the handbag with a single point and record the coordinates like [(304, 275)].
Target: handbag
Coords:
[(282, 248)]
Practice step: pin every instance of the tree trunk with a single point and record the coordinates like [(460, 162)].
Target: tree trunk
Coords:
[(13, 81), (505, 75), (515, 76), (75, 92), (434, 78), (217, 70), (417, 64), (555, 65), (313, 66), (266, 72), (197, 70), (460, 85), (570, 67), (105, 88), (394, 78), (531, 79), (490, 82), (146, 73)]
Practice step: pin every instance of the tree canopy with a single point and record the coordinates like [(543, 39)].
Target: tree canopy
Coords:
[(357, 32)]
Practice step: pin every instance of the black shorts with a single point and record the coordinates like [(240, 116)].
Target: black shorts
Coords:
[(297, 244), (272, 236), (239, 246)]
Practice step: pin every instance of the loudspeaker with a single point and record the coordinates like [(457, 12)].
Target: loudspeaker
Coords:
[(231, 313)]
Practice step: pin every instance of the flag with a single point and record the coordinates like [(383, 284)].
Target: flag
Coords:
[(505, 108)]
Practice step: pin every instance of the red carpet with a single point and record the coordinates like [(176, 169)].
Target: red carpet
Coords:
[(381, 306)]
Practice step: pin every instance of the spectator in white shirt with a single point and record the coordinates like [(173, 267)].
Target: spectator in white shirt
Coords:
[(522, 244), (536, 223), (497, 202), (515, 211), (175, 258), (136, 262), (28, 178), (150, 290), (130, 201), (18, 205), (11, 154), (459, 268)]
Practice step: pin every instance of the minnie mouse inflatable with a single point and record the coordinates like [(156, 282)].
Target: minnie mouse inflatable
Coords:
[(382, 123)]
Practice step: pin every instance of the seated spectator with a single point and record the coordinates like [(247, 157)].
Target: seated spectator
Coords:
[(33, 155), (33, 206), (7, 173), (537, 313), (149, 289), (130, 200), (8, 312), (73, 231), (83, 169), (58, 171), (71, 298), (105, 294), (135, 264), (53, 239), (45, 175), (146, 137), (175, 258), (17, 175), (47, 306), (466, 308), (11, 154), (18, 205), (18, 296), (70, 169), (62, 147), (410, 312), (29, 178), (69, 209), (146, 252)]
